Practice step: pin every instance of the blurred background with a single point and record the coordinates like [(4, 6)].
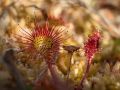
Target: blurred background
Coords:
[(81, 17)]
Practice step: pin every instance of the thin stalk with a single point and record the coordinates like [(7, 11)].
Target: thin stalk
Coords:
[(84, 76), (58, 83), (41, 74), (69, 63)]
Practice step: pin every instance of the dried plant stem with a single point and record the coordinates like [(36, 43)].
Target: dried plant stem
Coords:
[(8, 59), (84, 76)]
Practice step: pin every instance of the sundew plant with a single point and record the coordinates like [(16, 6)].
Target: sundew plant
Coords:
[(44, 42)]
